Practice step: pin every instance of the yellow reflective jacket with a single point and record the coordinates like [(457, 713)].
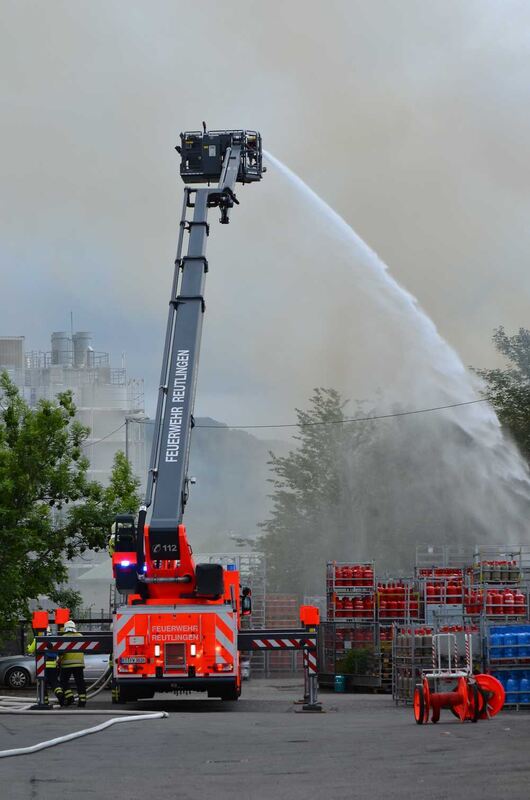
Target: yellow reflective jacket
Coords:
[(72, 658), (51, 656)]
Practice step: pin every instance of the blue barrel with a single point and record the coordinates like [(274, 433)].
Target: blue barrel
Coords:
[(524, 688), (524, 644), (340, 683), (510, 639), (496, 643), (512, 689)]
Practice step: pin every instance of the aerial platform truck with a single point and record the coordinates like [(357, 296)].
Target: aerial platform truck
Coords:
[(179, 628)]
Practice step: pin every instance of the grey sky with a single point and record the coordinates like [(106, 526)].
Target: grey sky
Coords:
[(411, 118)]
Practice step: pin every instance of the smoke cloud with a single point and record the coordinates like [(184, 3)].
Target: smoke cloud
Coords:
[(410, 118)]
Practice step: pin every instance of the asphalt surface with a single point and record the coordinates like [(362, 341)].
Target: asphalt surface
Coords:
[(260, 748)]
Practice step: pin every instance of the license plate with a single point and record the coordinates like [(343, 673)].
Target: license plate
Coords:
[(133, 660)]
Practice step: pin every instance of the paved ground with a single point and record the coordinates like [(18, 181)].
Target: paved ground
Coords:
[(260, 749)]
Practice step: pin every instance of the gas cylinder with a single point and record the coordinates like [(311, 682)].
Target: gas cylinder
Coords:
[(357, 575), (357, 607), (400, 606), (452, 592), (338, 576), (512, 689), (524, 643), (510, 642), (496, 643), (495, 574), (430, 590), (339, 605), (519, 605), (497, 605), (508, 602), (524, 688), (368, 576)]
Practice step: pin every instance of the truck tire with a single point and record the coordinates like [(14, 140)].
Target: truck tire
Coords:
[(120, 695), (231, 693)]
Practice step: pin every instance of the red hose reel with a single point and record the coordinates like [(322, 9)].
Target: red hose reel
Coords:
[(473, 698)]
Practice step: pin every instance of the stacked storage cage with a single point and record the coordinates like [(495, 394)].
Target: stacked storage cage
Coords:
[(386, 635), (397, 600), (496, 589), (442, 590), (351, 637), (354, 652), (411, 654), (282, 611), (350, 592), (507, 655)]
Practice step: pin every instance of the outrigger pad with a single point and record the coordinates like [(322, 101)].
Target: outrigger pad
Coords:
[(209, 580)]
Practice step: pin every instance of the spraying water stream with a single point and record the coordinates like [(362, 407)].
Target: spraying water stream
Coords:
[(470, 482)]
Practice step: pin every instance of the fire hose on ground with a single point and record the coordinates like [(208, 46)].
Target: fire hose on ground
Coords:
[(21, 706)]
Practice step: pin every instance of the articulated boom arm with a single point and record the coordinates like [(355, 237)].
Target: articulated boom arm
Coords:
[(227, 157)]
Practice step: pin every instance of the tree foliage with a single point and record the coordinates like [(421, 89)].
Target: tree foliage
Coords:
[(49, 510), (508, 389), (312, 496)]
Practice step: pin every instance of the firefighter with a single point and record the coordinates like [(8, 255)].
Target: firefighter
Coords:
[(111, 544), (72, 663), (51, 670)]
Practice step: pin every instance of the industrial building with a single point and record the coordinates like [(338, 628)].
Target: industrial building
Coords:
[(107, 399)]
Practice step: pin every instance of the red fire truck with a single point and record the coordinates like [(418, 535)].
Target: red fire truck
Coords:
[(178, 630)]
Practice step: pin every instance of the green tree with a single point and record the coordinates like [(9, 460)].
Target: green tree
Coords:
[(313, 496), (49, 510), (508, 389)]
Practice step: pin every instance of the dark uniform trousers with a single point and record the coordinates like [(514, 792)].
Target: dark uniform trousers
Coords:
[(79, 678)]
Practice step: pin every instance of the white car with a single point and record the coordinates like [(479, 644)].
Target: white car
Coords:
[(18, 672)]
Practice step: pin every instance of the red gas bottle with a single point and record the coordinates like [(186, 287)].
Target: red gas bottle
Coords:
[(508, 602), (358, 608), (339, 605), (519, 603), (347, 605), (497, 605), (430, 590)]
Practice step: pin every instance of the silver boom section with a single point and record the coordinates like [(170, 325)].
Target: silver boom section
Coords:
[(167, 487)]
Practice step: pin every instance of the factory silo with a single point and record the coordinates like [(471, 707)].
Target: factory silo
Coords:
[(62, 352), (82, 342)]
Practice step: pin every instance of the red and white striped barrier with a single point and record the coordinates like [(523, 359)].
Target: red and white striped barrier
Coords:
[(283, 644)]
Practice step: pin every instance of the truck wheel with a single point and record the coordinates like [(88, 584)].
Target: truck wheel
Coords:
[(119, 695), (231, 693)]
